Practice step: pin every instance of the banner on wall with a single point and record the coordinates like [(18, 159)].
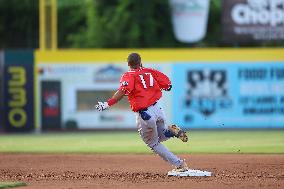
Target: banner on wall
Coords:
[(18, 91), (252, 20), (82, 86), (229, 95), (51, 105)]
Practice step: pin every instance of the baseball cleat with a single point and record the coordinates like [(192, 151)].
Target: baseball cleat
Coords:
[(181, 168), (178, 132)]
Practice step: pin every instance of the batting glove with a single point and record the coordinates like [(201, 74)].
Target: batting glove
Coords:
[(101, 106)]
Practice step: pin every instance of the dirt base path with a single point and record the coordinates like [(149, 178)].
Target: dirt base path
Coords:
[(140, 171)]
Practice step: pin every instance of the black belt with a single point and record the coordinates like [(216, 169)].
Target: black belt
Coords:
[(145, 109)]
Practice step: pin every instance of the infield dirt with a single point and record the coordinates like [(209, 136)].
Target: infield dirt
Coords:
[(140, 171)]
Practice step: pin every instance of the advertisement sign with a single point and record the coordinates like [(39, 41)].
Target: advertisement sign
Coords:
[(189, 18), (51, 105), (82, 86), (229, 95), (253, 20), (18, 91)]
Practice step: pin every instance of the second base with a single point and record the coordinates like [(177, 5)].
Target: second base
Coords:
[(190, 173)]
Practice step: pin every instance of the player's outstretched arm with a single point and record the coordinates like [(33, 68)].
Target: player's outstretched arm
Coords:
[(163, 80), (118, 95)]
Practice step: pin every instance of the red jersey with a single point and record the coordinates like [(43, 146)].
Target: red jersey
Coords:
[(143, 87)]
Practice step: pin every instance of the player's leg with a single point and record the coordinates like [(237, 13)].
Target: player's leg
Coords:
[(146, 128), (163, 132), (149, 134), (166, 132)]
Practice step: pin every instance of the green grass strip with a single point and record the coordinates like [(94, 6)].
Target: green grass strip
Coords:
[(5, 185), (259, 141)]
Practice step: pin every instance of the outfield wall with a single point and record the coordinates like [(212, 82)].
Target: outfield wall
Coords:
[(212, 88)]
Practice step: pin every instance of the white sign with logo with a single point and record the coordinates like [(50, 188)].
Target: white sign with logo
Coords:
[(83, 85)]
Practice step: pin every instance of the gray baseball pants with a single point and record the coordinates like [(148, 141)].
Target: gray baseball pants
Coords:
[(152, 127)]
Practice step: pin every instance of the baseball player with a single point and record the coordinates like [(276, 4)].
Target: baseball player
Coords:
[(144, 86)]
